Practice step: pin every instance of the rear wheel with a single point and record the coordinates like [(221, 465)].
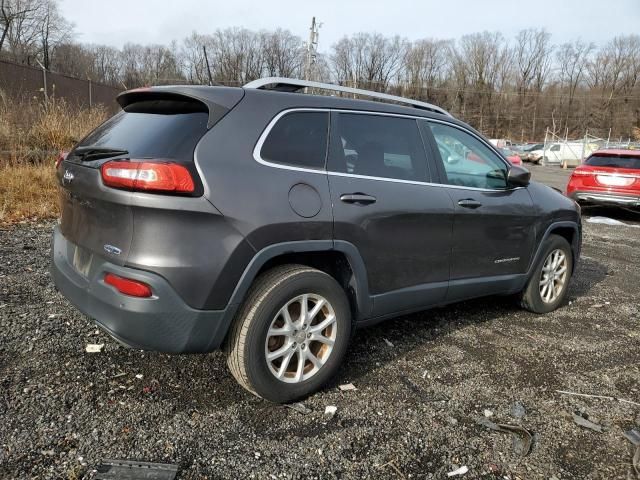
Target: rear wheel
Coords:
[(291, 334), (549, 283)]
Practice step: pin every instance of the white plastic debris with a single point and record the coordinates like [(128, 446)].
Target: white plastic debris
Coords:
[(330, 410), (347, 387), (139, 376), (460, 471), (389, 344), (488, 413), (94, 347), (609, 221)]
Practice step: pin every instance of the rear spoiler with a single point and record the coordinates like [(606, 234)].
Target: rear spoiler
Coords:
[(217, 100)]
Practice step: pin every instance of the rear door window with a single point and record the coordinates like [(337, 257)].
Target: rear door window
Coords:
[(377, 146), (156, 129), (298, 139)]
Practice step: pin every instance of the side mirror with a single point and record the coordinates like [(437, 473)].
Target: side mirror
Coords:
[(518, 176)]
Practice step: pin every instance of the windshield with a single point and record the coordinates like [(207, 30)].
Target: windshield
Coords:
[(615, 161)]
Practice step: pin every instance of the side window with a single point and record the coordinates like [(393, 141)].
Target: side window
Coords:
[(555, 148), (377, 146), (466, 160), (298, 139)]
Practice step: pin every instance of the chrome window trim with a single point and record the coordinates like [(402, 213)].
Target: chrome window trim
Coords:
[(325, 171)]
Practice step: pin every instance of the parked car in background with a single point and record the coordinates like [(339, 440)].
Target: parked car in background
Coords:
[(607, 177), (512, 156), (500, 142), (271, 224), (525, 150)]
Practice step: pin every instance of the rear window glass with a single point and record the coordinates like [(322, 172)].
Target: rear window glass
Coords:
[(154, 129), (615, 161), (298, 139)]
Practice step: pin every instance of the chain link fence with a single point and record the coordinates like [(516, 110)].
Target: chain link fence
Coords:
[(21, 83)]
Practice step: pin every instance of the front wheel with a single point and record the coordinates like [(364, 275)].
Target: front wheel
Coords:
[(291, 334), (549, 283)]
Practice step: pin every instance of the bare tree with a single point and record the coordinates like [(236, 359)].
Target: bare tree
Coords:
[(283, 53), (368, 60), (572, 59), (426, 63)]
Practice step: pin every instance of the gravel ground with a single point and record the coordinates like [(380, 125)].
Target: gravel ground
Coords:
[(422, 382)]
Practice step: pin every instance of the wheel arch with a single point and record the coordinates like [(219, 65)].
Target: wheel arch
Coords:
[(339, 259), (570, 231)]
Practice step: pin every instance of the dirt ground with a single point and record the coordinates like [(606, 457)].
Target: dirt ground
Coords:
[(422, 381)]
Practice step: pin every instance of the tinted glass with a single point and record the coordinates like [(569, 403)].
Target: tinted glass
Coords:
[(377, 146), (615, 161), (158, 129), (298, 139), (466, 160)]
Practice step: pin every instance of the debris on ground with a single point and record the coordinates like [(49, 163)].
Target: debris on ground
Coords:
[(633, 436), (460, 471), (586, 423), (347, 387), (94, 347), (139, 376), (128, 470), (603, 397), (388, 342), (330, 410), (299, 407), (518, 410), (488, 413), (522, 438)]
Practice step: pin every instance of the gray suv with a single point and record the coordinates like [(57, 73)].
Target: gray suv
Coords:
[(272, 223)]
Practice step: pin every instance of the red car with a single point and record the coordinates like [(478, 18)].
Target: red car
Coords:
[(607, 177), (513, 157)]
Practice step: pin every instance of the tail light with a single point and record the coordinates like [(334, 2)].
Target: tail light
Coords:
[(61, 158), (583, 173), (148, 176), (127, 286)]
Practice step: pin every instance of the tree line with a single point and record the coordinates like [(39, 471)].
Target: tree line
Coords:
[(514, 88)]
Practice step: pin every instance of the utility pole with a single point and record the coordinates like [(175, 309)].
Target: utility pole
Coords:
[(44, 81), (312, 48), (206, 59)]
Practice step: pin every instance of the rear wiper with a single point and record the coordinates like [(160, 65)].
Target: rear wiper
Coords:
[(95, 153)]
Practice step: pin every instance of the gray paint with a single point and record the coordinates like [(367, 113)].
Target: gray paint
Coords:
[(413, 248)]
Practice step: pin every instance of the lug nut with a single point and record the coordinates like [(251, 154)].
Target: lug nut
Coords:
[(294, 345), (308, 335)]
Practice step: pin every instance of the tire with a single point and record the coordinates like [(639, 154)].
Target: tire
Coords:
[(534, 297), (252, 337)]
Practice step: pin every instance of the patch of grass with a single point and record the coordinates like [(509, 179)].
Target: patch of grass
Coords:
[(31, 136), (28, 192), (32, 132)]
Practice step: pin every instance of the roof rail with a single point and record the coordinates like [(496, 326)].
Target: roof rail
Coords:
[(293, 85)]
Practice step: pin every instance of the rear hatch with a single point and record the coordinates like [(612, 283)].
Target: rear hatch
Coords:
[(154, 126), (616, 171)]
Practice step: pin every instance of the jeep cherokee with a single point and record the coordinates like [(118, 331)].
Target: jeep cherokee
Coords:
[(272, 223)]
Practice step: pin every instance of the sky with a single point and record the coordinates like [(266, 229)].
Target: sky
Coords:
[(116, 22)]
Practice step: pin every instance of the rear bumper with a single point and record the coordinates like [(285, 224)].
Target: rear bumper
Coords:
[(606, 198), (162, 322)]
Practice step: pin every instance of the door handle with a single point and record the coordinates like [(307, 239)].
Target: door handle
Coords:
[(469, 203), (360, 198)]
